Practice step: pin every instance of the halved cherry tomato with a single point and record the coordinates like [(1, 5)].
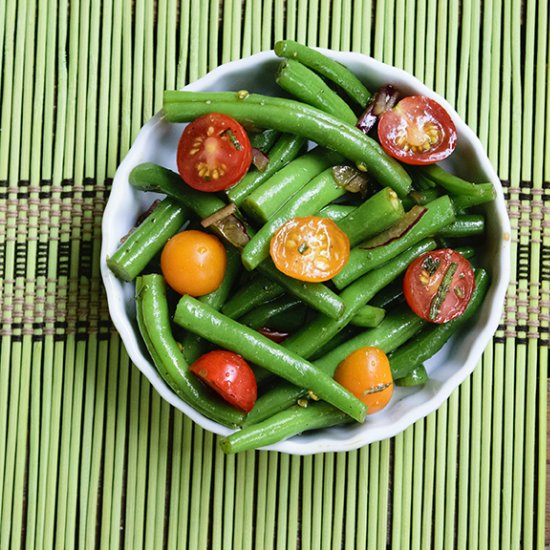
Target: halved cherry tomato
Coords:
[(230, 375), (193, 262), (312, 249), (366, 374), (214, 152), (418, 130), (438, 285)]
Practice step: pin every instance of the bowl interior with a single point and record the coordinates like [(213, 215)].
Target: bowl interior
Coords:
[(157, 143)]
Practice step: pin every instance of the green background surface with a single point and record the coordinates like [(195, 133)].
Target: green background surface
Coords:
[(90, 456)]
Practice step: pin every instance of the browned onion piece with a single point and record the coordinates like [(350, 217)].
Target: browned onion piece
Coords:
[(233, 231), (350, 179), (398, 229), (275, 335), (219, 215), (226, 225), (383, 100), (259, 159)]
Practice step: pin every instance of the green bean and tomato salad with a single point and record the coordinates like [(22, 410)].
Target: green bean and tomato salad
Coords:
[(310, 253)]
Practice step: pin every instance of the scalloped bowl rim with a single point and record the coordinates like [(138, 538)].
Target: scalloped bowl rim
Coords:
[(411, 406)]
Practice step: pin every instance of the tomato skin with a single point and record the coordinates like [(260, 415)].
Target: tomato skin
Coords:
[(214, 153), (418, 130), (193, 262), (311, 248), (423, 279), (366, 374), (230, 375)]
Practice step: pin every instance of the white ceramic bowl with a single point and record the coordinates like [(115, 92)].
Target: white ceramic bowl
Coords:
[(157, 142)]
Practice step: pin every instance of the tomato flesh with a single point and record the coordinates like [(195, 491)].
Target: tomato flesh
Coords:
[(193, 262), (438, 285), (418, 130), (311, 248), (229, 375), (366, 374), (214, 153)]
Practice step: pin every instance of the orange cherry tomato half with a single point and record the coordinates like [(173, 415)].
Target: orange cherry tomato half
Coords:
[(214, 153), (366, 374), (312, 249), (230, 376), (193, 262), (418, 130), (438, 285)]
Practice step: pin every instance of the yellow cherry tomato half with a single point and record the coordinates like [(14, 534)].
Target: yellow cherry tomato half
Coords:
[(193, 262), (311, 249), (366, 374)]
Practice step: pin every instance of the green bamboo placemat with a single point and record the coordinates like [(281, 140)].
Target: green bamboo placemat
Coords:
[(90, 456)]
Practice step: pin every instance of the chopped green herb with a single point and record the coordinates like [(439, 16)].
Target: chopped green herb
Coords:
[(234, 140), (377, 389), (302, 248), (442, 291)]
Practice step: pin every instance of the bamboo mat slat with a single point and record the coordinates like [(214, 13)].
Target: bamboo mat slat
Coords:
[(90, 456)]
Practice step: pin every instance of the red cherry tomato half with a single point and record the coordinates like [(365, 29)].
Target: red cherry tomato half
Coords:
[(418, 130), (229, 375), (438, 285), (214, 152)]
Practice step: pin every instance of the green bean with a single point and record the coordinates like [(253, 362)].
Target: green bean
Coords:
[(417, 377), (323, 328), (193, 345), (293, 117), (277, 190), (285, 313), (283, 425), (327, 67), (343, 336), (440, 213), (287, 147), (421, 182), (263, 141), (154, 324), (316, 295), (420, 197), (258, 291), (433, 338), (392, 332), (147, 239), (467, 251), (368, 317), (308, 87), (336, 212), (453, 184), (151, 177), (486, 194), (258, 349), (464, 226), (375, 215), (389, 296), (320, 191)]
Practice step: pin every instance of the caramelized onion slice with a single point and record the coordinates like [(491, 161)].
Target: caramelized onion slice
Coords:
[(398, 229), (350, 179), (383, 100)]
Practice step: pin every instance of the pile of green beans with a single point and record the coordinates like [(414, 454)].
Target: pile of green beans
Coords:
[(154, 324), (363, 305), (291, 116)]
